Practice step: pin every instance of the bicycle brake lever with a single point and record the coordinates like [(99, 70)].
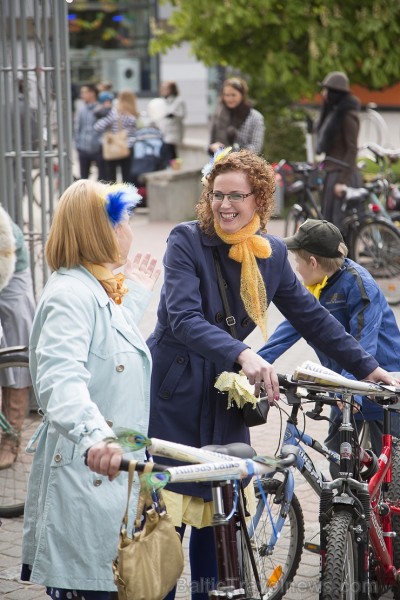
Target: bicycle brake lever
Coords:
[(315, 416)]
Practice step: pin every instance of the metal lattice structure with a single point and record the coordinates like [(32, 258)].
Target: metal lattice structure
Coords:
[(35, 118)]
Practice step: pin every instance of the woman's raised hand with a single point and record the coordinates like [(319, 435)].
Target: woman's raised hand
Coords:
[(143, 270)]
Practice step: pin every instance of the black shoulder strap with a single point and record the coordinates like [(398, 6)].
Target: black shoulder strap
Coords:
[(230, 319)]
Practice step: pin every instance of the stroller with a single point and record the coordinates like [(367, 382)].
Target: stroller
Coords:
[(148, 155)]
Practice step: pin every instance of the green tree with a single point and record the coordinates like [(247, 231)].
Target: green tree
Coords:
[(290, 45)]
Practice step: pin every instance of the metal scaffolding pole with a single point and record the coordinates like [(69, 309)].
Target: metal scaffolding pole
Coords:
[(35, 118)]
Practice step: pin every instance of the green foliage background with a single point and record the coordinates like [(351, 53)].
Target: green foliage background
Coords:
[(285, 47)]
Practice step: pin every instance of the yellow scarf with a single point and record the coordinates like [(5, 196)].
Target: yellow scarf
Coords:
[(245, 248), (318, 287), (113, 284)]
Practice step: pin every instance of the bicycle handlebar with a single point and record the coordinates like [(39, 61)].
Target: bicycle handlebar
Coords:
[(380, 151), (234, 468), (380, 393), (305, 167)]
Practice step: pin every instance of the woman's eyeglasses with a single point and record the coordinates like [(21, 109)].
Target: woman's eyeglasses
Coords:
[(232, 196)]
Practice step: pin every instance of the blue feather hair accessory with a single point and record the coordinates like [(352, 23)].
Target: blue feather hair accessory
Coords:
[(120, 200), (218, 155)]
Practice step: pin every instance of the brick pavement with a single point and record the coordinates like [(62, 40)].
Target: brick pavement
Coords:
[(151, 237)]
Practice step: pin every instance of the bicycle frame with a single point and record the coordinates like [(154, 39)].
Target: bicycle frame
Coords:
[(304, 464), (381, 533)]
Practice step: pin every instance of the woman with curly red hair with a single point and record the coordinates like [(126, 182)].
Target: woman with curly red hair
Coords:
[(192, 342)]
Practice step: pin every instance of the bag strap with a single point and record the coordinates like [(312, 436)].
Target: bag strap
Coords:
[(144, 497), (229, 318), (131, 471)]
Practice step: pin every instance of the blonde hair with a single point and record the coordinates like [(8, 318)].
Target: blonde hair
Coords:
[(261, 177), (127, 103), (81, 229), (326, 263)]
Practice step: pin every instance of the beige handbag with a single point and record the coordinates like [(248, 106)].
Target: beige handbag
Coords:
[(150, 562), (115, 145)]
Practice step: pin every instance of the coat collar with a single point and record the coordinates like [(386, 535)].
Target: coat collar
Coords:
[(91, 282)]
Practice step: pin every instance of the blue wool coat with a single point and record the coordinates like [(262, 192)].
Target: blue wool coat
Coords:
[(354, 298), (191, 343)]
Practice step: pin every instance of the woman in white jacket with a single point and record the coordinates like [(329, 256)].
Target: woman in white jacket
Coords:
[(171, 125), (91, 374)]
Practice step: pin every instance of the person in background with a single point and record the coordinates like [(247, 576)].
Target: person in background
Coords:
[(171, 125), (122, 116), (235, 121), (7, 253), (87, 139), (337, 138), (17, 308), (353, 297), (105, 86), (191, 343), (91, 370), (104, 105)]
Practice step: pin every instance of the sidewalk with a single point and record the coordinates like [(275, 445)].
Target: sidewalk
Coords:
[(151, 237)]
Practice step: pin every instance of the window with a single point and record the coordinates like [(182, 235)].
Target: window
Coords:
[(109, 41)]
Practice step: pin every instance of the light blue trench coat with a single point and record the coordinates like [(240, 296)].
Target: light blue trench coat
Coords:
[(90, 369)]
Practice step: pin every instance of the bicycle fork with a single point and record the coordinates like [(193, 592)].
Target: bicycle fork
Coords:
[(352, 496)]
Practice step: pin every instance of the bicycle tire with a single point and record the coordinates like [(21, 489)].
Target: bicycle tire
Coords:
[(394, 495), (13, 480), (284, 558), (339, 576), (376, 247), (293, 221)]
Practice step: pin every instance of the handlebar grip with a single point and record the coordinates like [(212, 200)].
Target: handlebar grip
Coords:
[(124, 466), (140, 466)]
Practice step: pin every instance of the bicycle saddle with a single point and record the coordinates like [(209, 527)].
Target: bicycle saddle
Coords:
[(356, 194), (239, 449)]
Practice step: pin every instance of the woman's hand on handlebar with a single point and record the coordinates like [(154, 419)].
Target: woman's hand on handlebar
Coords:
[(104, 458), (259, 373)]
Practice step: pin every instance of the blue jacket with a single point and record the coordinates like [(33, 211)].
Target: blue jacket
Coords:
[(191, 343), (353, 298)]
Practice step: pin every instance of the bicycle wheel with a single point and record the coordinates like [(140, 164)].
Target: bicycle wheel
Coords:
[(277, 565), (13, 480), (293, 221), (394, 495), (339, 577), (376, 246)]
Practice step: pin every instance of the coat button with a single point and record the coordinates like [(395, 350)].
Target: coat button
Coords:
[(219, 317), (166, 395), (120, 368), (180, 360), (57, 458), (245, 322), (97, 482)]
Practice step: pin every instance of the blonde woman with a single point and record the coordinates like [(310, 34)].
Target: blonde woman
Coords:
[(122, 116), (90, 370)]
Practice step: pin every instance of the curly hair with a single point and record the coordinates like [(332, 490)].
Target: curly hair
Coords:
[(261, 177)]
